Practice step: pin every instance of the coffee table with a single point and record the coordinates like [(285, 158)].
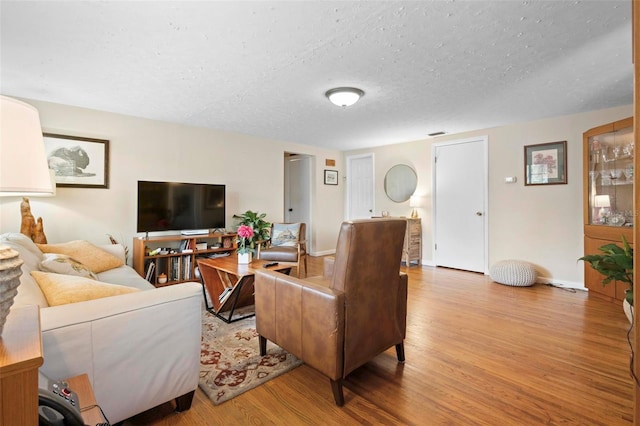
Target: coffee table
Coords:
[(230, 285)]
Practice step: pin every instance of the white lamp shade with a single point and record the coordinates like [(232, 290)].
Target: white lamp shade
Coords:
[(344, 96), (23, 162), (602, 201), (415, 201)]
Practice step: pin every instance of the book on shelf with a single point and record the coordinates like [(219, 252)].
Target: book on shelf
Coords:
[(151, 267), (186, 268), (224, 293), (175, 269)]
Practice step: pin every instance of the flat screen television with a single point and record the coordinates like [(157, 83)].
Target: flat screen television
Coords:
[(186, 207)]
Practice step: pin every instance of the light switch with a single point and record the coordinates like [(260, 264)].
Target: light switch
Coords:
[(510, 179)]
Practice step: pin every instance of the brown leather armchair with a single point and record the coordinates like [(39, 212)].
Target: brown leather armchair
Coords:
[(338, 322), (287, 245)]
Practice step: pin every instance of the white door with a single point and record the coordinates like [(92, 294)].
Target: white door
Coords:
[(297, 191), (460, 188), (360, 186)]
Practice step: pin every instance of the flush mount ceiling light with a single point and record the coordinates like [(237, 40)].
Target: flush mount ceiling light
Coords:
[(344, 96)]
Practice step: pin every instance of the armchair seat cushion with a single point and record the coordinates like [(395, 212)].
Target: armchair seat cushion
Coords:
[(280, 253)]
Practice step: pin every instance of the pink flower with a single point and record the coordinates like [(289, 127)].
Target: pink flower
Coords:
[(245, 231)]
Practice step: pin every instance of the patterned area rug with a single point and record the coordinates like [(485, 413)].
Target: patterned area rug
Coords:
[(230, 361)]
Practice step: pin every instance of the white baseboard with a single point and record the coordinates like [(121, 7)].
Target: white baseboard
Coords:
[(542, 280), (322, 253), (561, 283)]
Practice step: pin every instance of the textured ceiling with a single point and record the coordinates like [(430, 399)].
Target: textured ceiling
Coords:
[(262, 68)]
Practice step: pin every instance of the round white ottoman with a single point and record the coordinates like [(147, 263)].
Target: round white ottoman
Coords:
[(513, 272)]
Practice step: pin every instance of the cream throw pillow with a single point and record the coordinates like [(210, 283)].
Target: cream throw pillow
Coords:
[(285, 234), (83, 251), (67, 265), (63, 289)]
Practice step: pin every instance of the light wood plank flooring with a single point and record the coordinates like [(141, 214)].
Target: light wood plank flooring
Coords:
[(477, 353)]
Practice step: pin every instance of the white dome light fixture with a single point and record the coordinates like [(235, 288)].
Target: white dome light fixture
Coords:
[(344, 96)]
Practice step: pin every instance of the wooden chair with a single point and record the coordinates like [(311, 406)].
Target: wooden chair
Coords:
[(287, 245)]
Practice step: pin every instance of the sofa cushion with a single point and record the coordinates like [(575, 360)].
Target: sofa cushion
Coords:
[(62, 289), (65, 264), (95, 258), (285, 234), (28, 291), (116, 250), (125, 275)]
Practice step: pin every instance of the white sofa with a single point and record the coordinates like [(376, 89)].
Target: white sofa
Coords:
[(139, 349)]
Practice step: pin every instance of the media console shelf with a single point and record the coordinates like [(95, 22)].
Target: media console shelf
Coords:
[(178, 262)]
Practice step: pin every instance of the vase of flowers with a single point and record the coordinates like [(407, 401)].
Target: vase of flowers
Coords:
[(246, 244)]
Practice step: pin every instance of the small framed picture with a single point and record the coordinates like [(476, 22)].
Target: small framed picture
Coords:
[(330, 177), (78, 162), (545, 163)]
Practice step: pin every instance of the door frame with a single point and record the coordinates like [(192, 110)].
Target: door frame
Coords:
[(310, 192), (349, 159), (485, 148)]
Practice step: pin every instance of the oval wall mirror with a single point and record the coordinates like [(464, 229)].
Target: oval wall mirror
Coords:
[(400, 182)]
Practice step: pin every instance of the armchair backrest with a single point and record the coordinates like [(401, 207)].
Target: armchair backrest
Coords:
[(367, 270)]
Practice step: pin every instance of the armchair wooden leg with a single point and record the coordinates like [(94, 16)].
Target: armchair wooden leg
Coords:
[(338, 395), (400, 351), (305, 265), (183, 402), (263, 345)]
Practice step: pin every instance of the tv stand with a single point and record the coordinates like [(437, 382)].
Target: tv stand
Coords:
[(178, 261)]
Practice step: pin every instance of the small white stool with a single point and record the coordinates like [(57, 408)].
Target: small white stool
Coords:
[(514, 273)]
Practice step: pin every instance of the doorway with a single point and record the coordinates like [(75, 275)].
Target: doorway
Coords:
[(360, 186), (297, 191), (460, 210)]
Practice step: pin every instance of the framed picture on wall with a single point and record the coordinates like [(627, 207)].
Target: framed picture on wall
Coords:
[(330, 177), (545, 163), (77, 161)]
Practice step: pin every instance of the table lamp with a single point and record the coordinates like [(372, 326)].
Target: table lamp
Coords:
[(602, 203), (415, 201), (23, 171)]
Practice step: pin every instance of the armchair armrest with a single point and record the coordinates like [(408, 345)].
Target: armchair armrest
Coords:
[(328, 265), (303, 317)]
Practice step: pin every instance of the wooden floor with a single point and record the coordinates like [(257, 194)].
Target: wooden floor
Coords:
[(477, 353)]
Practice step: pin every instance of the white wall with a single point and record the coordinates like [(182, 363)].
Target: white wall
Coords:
[(251, 168), (539, 224)]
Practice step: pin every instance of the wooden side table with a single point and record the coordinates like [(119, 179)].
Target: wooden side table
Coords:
[(412, 251), (86, 399), (20, 358)]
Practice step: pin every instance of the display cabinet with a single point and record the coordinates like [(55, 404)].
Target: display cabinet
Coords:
[(608, 152)]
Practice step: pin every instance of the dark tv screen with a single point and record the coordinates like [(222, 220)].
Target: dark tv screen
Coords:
[(171, 206)]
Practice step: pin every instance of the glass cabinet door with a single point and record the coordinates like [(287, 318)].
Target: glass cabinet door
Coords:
[(611, 178)]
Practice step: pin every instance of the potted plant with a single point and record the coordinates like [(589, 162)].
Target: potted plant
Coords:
[(616, 264), (252, 230), (256, 222)]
